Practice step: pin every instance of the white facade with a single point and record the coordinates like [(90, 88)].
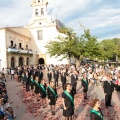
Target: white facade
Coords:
[(41, 21)]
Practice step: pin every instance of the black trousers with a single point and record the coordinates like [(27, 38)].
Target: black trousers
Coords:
[(56, 83), (49, 80), (12, 76), (74, 88), (117, 87), (19, 78), (63, 86), (27, 86), (108, 100)]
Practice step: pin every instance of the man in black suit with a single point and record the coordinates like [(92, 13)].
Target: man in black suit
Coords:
[(74, 78), (63, 80), (56, 76), (40, 75), (49, 76), (108, 89), (27, 80)]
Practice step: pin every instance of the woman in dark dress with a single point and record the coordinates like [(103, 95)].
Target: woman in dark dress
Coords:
[(23, 79), (96, 113), (32, 84), (68, 102), (37, 88), (43, 92), (52, 96), (84, 84)]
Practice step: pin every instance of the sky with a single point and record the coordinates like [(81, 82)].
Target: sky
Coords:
[(102, 17)]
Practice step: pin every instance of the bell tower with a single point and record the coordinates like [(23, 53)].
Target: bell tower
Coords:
[(39, 8)]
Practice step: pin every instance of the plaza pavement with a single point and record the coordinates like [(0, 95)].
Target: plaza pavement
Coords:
[(18, 96)]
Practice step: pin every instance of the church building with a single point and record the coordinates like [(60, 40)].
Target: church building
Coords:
[(26, 45)]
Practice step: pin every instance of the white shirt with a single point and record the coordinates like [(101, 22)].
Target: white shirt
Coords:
[(12, 71)]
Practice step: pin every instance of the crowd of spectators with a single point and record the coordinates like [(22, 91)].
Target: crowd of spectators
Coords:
[(6, 111)]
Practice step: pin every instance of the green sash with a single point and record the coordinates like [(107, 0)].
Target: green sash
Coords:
[(97, 113), (52, 91), (85, 81), (71, 98), (37, 84), (43, 88), (22, 76), (32, 80)]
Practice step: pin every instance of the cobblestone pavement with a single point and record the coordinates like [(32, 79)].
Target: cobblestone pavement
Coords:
[(26, 109)]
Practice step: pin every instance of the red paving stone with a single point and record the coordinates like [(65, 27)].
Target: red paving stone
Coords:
[(26, 109)]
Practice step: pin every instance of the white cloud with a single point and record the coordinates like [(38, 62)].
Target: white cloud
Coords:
[(93, 14), (16, 14)]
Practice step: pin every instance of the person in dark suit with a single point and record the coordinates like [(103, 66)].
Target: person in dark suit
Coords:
[(27, 79), (63, 80), (84, 84), (40, 75), (56, 77), (108, 90), (49, 76), (74, 78)]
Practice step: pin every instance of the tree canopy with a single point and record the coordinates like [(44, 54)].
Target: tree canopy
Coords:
[(68, 44), (110, 48)]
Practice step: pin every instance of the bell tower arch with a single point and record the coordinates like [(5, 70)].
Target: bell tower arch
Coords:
[(39, 8)]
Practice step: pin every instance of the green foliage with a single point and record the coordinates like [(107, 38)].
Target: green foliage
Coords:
[(65, 45), (110, 48), (69, 45), (92, 49)]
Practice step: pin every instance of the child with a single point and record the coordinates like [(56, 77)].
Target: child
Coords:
[(52, 96), (43, 92)]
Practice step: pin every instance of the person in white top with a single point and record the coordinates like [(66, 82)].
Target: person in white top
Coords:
[(12, 73)]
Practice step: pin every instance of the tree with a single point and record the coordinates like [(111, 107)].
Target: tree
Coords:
[(92, 49), (69, 45), (110, 48)]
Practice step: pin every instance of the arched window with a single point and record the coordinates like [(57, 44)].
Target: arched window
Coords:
[(27, 61), (12, 62), (21, 61), (36, 12), (42, 11)]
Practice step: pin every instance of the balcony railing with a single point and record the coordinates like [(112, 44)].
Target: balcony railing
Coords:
[(26, 51), (12, 50), (19, 51)]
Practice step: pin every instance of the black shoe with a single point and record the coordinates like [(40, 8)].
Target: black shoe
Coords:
[(111, 105), (53, 112), (106, 107), (85, 98)]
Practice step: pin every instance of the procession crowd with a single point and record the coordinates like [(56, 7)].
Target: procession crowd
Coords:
[(32, 78)]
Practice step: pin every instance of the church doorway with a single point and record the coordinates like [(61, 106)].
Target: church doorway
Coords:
[(12, 62), (21, 59), (41, 61)]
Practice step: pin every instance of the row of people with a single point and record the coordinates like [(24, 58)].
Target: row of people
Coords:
[(108, 85), (68, 100)]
